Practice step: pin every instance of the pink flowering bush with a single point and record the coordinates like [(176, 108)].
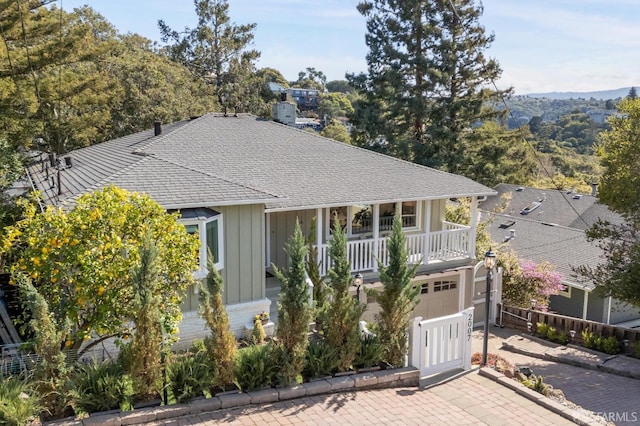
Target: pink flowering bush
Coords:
[(525, 281)]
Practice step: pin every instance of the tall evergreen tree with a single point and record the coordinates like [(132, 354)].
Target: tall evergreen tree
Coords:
[(344, 311), (221, 345), (294, 312), (146, 367), (427, 80), (398, 297), (218, 51), (632, 93)]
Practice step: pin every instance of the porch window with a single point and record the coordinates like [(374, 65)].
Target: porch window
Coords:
[(409, 215), (207, 224), (361, 219)]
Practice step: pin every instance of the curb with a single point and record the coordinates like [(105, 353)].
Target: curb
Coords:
[(594, 365), (536, 397), (398, 377)]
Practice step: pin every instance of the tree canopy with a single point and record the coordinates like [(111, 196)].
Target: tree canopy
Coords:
[(619, 189), (427, 79), (82, 261)]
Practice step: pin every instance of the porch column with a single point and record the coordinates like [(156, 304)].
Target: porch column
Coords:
[(462, 290), (474, 227), (608, 310), (267, 230), (319, 236), (427, 231), (585, 304), (376, 235)]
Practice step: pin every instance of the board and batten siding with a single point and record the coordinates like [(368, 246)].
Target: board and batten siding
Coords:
[(282, 225), (244, 251)]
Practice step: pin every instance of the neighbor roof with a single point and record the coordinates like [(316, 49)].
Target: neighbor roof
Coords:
[(560, 207), (562, 247), (217, 160)]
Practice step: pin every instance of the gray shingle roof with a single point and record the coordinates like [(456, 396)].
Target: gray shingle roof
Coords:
[(215, 160), (562, 247), (558, 207)]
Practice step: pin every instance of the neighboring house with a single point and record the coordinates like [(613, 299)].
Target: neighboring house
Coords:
[(241, 183), (306, 99), (549, 226)]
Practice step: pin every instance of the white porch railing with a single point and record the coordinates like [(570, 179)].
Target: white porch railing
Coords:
[(451, 243)]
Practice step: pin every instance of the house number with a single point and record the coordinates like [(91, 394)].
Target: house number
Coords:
[(469, 326)]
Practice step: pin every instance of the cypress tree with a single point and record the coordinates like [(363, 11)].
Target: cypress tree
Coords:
[(398, 297), (221, 345), (294, 312), (146, 368), (344, 311)]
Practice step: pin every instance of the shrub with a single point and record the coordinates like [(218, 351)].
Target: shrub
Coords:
[(190, 376), (320, 360), (17, 405), (542, 329), (258, 334), (552, 334), (370, 352), (255, 367), (101, 386), (635, 352), (562, 338), (589, 339), (610, 345), (537, 384)]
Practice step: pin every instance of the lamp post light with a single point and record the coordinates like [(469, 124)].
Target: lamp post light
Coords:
[(572, 333), (489, 264), (358, 279)]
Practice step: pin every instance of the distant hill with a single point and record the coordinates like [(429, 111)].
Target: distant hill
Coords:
[(602, 95)]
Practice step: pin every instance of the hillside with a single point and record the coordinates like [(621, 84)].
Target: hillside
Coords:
[(601, 95)]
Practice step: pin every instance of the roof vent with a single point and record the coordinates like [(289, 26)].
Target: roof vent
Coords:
[(531, 207), (157, 128), (520, 189), (577, 197)]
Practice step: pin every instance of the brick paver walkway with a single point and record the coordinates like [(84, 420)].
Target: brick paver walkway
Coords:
[(615, 397), (468, 400)]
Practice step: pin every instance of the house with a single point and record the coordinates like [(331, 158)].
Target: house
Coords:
[(306, 99), (549, 226), (241, 183)]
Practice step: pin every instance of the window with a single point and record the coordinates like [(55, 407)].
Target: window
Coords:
[(566, 292), (424, 288), (444, 285), (409, 214), (361, 219), (207, 224), (387, 212), (358, 219)]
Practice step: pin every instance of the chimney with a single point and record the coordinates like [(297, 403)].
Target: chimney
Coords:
[(594, 189), (157, 128), (68, 162)]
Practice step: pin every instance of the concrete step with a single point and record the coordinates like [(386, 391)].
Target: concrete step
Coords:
[(440, 378)]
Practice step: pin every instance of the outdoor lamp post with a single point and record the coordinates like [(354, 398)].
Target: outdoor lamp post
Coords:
[(358, 279), (489, 264)]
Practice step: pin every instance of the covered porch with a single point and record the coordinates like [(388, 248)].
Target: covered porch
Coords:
[(430, 239)]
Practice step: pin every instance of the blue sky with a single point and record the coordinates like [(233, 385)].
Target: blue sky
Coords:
[(541, 45)]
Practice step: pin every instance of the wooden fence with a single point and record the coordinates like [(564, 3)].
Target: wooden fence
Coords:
[(517, 318)]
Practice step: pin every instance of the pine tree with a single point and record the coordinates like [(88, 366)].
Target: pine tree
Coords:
[(632, 93), (294, 312), (398, 297), (427, 79), (344, 311), (218, 52), (146, 368), (221, 345)]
